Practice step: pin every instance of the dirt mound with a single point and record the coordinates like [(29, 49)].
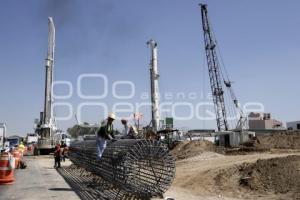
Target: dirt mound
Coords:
[(280, 175), (276, 175), (244, 150), (283, 140), (187, 149)]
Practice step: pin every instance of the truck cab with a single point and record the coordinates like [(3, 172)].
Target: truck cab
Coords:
[(13, 141)]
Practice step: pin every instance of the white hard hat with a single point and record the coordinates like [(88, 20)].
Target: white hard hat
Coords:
[(112, 116)]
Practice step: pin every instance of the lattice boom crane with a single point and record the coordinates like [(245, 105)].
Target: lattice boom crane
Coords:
[(214, 72)]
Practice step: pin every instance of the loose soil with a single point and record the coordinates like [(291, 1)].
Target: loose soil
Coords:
[(267, 168), (188, 149)]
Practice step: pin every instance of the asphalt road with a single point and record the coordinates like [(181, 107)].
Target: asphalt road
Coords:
[(39, 181)]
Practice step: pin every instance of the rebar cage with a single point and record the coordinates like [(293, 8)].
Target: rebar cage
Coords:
[(144, 168)]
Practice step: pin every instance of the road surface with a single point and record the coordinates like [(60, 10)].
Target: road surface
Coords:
[(39, 181)]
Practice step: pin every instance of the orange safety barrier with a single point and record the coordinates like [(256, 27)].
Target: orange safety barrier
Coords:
[(6, 171), (17, 156)]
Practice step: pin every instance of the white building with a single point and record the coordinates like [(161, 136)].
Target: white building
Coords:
[(293, 125)]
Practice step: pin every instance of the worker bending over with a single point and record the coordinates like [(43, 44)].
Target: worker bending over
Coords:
[(105, 132), (129, 131)]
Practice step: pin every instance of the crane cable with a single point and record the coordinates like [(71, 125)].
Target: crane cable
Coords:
[(236, 109)]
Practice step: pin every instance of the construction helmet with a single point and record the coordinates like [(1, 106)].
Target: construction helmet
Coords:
[(112, 116)]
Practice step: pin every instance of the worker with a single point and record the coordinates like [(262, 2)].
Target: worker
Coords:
[(105, 132), (129, 131), (63, 149), (57, 156), (21, 148)]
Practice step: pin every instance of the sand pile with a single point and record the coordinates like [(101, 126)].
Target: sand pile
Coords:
[(187, 149), (276, 175)]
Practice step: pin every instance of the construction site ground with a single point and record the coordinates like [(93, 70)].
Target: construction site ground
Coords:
[(197, 177), (202, 172), (39, 181), (267, 168)]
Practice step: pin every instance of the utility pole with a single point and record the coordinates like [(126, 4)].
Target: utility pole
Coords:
[(154, 84), (214, 72)]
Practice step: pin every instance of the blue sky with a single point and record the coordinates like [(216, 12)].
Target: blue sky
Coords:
[(259, 42)]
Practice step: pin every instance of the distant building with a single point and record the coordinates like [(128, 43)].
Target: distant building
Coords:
[(263, 121), (293, 125)]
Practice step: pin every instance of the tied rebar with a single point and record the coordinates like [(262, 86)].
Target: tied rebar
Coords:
[(144, 168)]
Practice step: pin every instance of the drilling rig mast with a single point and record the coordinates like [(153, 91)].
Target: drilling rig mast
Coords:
[(48, 113), (154, 85)]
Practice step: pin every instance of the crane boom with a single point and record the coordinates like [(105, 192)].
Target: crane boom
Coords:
[(46, 128), (48, 115), (214, 72)]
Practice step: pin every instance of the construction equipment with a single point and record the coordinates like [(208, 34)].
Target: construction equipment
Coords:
[(216, 75), (62, 137), (31, 138), (144, 168), (2, 135), (157, 131), (167, 137), (13, 140), (46, 127), (214, 72), (154, 85), (150, 131)]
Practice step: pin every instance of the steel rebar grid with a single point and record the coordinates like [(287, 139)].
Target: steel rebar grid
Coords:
[(141, 167)]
